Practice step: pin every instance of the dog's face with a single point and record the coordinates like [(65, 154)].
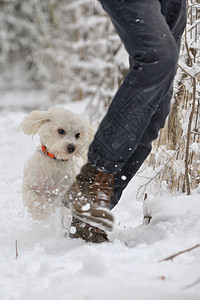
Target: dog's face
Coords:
[(62, 132)]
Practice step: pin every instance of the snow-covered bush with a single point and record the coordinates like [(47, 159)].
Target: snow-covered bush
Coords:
[(25, 28), (66, 47)]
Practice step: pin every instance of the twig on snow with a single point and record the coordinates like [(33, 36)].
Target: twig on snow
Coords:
[(191, 285), (179, 253)]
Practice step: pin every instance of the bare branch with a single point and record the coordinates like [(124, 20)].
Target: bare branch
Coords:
[(191, 285), (186, 72), (179, 253), (188, 139), (152, 178)]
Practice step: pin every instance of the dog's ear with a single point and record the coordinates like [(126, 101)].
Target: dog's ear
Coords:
[(32, 123)]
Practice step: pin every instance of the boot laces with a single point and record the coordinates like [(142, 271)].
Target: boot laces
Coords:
[(101, 187)]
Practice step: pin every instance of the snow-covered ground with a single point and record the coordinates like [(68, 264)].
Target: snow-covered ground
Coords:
[(50, 266)]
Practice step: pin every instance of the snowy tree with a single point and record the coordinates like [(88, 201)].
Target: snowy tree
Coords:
[(66, 47), (28, 36)]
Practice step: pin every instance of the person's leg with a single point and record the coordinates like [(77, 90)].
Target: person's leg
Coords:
[(174, 12), (123, 176), (154, 54), (176, 22)]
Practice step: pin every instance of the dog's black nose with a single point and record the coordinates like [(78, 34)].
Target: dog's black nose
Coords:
[(71, 148)]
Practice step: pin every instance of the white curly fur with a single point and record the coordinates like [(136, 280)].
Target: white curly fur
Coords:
[(46, 179)]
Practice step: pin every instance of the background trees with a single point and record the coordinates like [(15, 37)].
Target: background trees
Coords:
[(66, 47)]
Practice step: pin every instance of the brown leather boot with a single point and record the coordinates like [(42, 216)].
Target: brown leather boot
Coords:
[(89, 197), (87, 232)]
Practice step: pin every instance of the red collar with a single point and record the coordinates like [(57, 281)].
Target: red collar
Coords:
[(44, 150), (51, 155)]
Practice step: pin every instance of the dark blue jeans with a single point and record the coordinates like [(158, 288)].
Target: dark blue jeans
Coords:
[(150, 31)]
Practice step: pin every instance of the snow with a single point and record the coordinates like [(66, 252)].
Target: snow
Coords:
[(51, 266)]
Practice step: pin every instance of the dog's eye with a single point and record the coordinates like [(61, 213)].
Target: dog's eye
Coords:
[(77, 135), (61, 131)]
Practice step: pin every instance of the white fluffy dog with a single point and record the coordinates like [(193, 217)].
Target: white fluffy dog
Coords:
[(51, 170)]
